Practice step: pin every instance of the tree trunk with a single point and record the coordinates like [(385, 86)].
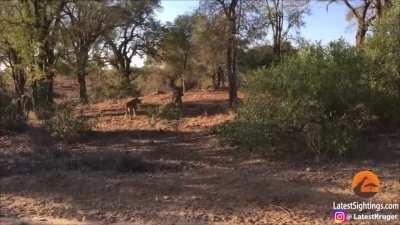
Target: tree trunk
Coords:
[(19, 81), (230, 61), (18, 73), (220, 77), (214, 80), (46, 64), (82, 63), (381, 7), (125, 81), (217, 78), (183, 84), (126, 89), (223, 78), (126, 73), (82, 87), (361, 32)]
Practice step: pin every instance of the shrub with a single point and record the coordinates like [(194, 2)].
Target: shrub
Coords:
[(169, 112), (65, 125), (44, 113), (10, 117), (310, 94), (110, 84), (384, 50), (10, 122)]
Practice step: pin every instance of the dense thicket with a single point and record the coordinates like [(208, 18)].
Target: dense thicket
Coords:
[(325, 96)]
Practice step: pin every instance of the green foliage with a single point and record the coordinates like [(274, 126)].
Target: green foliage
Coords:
[(316, 93), (40, 90), (65, 125), (249, 135), (174, 58), (260, 56), (209, 43), (168, 112), (109, 84), (151, 79), (6, 81), (10, 117), (383, 48)]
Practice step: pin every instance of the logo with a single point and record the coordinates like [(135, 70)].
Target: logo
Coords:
[(365, 184), (340, 216)]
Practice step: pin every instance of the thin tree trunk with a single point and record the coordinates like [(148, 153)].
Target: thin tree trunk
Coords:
[(220, 74), (82, 63), (214, 79), (82, 87), (360, 36), (231, 58), (46, 63), (126, 79), (19, 82), (183, 84), (18, 73)]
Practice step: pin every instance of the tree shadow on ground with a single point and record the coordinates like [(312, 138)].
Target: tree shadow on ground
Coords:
[(205, 108), (223, 193), (118, 111), (124, 151)]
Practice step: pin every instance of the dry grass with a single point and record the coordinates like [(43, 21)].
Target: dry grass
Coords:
[(175, 174)]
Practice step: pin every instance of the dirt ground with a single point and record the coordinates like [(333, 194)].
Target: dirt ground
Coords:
[(184, 175)]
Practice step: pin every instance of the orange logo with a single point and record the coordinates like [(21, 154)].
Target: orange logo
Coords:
[(365, 184)]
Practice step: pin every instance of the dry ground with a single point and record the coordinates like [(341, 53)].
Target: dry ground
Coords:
[(185, 176)]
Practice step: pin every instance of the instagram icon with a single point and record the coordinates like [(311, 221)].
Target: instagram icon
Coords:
[(339, 216)]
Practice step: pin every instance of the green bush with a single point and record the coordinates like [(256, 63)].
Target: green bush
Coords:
[(44, 113), (10, 120), (383, 48), (315, 94), (169, 112), (65, 125), (110, 84), (10, 117)]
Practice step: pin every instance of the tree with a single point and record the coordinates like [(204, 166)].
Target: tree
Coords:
[(32, 27), (209, 43), (365, 14), (137, 35), (282, 17), (381, 6), (230, 9), (241, 24), (42, 22), (10, 57), (175, 54), (384, 48), (85, 22), (363, 17)]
